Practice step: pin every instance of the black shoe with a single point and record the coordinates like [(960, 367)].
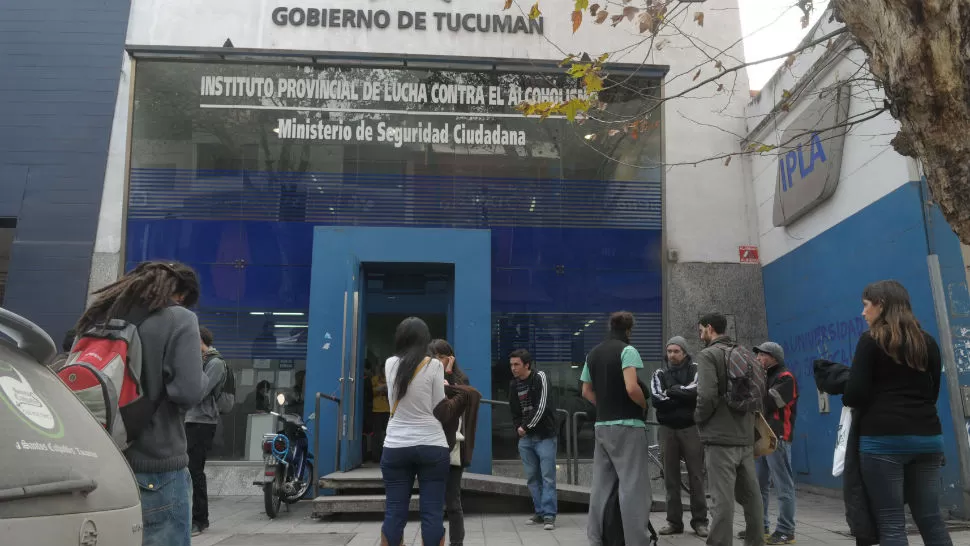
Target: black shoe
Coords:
[(743, 534), (780, 538), (196, 529)]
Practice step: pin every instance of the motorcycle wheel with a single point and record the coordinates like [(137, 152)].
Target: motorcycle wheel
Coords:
[(272, 496), (306, 479)]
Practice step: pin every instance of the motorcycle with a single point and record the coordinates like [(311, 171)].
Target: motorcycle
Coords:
[(289, 464)]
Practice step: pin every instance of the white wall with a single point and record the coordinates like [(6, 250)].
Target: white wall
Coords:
[(708, 204), (870, 170)]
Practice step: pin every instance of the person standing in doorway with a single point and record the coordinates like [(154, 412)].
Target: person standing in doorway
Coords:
[(200, 429), (159, 294), (534, 419), (380, 410), (673, 390), (610, 383), (775, 468), (728, 438), (415, 445)]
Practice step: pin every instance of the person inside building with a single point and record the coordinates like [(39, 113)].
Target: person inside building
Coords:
[(415, 445), (728, 438), (458, 416), (380, 410), (200, 429), (610, 382), (894, 382), (673, 391), (156, 296), (775, 468), (534, 419)]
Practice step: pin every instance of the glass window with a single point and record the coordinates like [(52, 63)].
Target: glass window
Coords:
[(233, 164)]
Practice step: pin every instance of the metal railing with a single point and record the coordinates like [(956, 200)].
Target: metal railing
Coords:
[(316, 439), (569, 442)]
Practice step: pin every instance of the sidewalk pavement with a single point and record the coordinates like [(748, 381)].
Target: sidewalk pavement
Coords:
[(241, 521)]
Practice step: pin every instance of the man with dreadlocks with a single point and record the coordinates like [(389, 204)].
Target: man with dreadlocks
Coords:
[(158, 294)]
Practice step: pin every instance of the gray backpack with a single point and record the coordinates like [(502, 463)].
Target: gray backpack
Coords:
[(225, 394)]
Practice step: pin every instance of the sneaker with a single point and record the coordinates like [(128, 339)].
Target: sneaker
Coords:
[(534, 520), (742, 534), (549, 524), (670, 530), (780, 538), (196, 530), (701, 530)]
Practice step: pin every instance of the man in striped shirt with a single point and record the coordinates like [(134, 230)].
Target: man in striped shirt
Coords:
[(534, 419)]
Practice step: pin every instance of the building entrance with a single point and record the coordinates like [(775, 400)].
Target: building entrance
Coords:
[(364, 281), (393, 292)]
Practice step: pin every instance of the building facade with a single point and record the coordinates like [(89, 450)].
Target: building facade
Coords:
[(330, 171), (837, 209)]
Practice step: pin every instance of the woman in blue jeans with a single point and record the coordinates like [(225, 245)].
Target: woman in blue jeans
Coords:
[(894, 383), (415, 445)]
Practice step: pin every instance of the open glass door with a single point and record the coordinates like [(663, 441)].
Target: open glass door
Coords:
[(350, 429)]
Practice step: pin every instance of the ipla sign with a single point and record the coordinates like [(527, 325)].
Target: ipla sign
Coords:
[(810, 158)]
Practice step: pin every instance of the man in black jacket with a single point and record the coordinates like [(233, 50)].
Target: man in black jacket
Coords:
[(673, 390), (534, 418)]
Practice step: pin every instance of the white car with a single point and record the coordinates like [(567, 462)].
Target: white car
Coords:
[(62, 479)]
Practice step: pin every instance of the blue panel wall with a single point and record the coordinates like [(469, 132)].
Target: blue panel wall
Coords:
[(59, 67), (814, 305)]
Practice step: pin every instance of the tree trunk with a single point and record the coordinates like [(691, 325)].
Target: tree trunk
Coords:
[(920, 51)]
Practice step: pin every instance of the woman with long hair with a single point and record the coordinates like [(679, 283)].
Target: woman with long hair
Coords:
[(415, 445), (894, 384), (443, 351)]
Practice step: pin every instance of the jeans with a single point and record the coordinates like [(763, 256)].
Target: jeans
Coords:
[(894, 480), (775, 469), (456, 516), (400, 465), (731, 477), (166, 508), (539, 459), (199, 439)]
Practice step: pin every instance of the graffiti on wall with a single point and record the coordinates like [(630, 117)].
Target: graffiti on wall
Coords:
[(833, 341)]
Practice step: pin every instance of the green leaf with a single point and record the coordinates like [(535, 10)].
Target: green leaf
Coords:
[(581, 5), (534, 13)]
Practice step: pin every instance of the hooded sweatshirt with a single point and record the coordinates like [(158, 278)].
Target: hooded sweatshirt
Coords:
[(173, 376), (207, 412), (673, 390)]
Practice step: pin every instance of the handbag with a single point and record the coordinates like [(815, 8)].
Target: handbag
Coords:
[(841, 442), (765, 440)]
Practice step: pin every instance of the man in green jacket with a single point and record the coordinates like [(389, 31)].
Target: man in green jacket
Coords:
[(728, 438)]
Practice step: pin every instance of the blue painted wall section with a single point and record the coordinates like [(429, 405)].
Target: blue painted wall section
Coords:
[(60, 65), (813, 299), (338, 251)]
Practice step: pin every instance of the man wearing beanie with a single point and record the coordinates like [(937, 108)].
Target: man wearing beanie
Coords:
[(775, 468), (673, 389)]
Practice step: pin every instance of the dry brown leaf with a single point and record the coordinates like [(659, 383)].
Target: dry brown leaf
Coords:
[(727, 161), (720, 87), (790, 60), (601, 16), (616, 19), (699, 18), (593, 9), (508, 4), (630, 11), (577, 20), (697, 75)]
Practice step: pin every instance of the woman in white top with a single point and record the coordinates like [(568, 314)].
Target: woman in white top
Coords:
[(415, 445)]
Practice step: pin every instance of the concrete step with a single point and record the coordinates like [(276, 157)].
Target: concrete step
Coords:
[(355, 504)]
